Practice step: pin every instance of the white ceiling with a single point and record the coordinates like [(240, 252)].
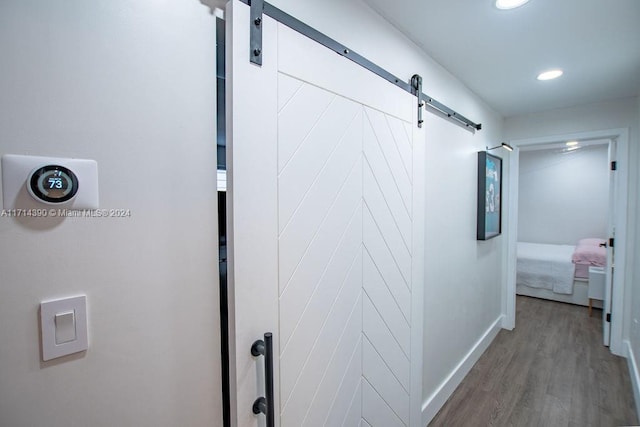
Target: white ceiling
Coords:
[(498, 54)]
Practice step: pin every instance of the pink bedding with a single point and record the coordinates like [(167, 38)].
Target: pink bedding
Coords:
[(589, 252)]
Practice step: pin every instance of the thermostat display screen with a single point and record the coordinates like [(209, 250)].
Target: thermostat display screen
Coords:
[(53, 184)]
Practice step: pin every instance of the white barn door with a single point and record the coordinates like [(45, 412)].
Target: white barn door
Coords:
[(326, 237)]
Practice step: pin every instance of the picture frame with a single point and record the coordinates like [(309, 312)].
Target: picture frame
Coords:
[(489, 196)]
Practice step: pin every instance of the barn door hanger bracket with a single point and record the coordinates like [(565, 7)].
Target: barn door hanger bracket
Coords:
[(416, 87), (255, 34)]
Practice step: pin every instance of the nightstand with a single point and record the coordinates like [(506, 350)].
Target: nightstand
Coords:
[(597, 277)]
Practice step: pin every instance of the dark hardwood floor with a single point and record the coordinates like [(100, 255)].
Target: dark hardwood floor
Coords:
[(551, 370)]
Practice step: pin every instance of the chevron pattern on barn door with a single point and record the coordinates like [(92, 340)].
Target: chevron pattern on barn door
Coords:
[(387, 192), (344, 209)]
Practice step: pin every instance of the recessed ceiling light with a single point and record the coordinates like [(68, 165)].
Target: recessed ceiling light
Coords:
[(572, 143), (509, 4), (550, 75)]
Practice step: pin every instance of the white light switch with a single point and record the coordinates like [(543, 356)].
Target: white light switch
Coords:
[(64, 327)]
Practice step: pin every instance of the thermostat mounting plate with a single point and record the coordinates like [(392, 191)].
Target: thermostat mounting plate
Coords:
[(25, 182)]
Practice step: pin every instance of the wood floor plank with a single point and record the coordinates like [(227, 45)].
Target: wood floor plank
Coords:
[(554, 412), (551, 370)]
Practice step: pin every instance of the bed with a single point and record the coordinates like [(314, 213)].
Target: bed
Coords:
[(558, 272)]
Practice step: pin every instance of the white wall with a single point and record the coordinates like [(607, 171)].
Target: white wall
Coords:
[(131, 84), (463, 276), (563, 196), (634, 324)]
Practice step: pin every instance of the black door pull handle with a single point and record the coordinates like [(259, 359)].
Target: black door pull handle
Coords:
[(265, 405)]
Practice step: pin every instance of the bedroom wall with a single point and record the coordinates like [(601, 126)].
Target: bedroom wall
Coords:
[(463, 276), (131, 84), (563, 196)]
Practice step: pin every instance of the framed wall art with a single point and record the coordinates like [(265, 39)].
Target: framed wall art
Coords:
[(489, 196)]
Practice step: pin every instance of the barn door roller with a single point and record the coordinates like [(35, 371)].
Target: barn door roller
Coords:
[(416, 85), (260, 7)]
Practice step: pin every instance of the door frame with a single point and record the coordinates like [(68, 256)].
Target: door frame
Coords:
[(620, 282)]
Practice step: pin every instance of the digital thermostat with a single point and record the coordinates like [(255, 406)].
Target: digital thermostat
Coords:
[(53, 184), (28, 182)]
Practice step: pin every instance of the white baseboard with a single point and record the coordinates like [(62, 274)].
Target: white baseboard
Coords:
[(439, 397), (634, 374)]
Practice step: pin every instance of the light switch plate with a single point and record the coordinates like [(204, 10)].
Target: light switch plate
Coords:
[(56, 327), (16, 170)]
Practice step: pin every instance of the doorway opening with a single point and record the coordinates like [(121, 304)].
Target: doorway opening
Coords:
[(221, 146), (617, 140)]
